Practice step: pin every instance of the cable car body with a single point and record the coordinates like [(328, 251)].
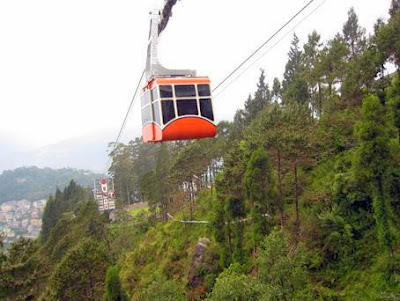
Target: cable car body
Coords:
[(176, 104), (177, 108)]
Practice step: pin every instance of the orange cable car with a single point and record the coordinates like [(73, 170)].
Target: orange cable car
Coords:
[(176, 105)]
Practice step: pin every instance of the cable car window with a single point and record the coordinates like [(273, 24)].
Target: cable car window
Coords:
[(187, 107), (145, 98), (146, 115), (154, 94), (204, 90), (166, 91), (206, 108), (185, 91), (156, 110), (168, 111)]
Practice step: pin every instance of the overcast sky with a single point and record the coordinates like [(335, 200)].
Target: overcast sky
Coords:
[(68, 68)]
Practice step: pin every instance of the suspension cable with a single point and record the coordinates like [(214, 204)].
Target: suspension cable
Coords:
[(125, 119), (263, 44), (269, 49)]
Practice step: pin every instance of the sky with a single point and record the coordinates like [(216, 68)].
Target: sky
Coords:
[(70, 68)]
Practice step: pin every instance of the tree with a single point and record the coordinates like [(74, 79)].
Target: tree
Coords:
[(312, 74), (122, 170), (393, 96), (162, 184), (21, 250), (232, 285), (294, 63), (372, 164), (295, 88), (163, 289), (331, 65), (387, 39), (262, 98), (287, 133), (276, 91), (114, 291), (353, 34), (395, 7), (283, 270), (62, 202), (259, 185), (80, 274)]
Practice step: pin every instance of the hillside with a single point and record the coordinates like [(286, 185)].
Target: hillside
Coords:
[(35, 183), (297, 198)]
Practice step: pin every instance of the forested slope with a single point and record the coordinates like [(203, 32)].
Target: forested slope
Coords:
[(297, 199), (35, 183)]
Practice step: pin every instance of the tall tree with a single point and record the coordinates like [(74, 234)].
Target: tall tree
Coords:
[(259, 185), (395, 7), (353, 34), (372, 163), (311, 74), (262, 97), (332, 64), (294, 86), (276, 92)]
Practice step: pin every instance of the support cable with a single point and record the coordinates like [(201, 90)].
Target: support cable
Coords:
[(125, 119), (263, 44), (269, 49)]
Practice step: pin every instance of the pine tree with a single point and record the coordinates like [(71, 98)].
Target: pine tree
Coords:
[(262, 98), (353, 34), (311, 74), (259, 185), (395, 7), (294, 63), (276, 91), (295, 88), (372, 164)]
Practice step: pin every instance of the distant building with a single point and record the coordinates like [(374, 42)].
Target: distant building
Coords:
[(6, 208), (104, 195), (35, 214), (24, 223), (35, 222)]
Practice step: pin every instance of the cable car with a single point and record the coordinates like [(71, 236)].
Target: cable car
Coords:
[(177, 108), (176, 104)]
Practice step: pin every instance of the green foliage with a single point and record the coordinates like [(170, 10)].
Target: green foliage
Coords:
[(372, 164), (163, 290), (283, 269), (20, 251), (35, 183), (322, 147), (80, 274), (231, 285), (62, 202), (260, 185), (353, 34), (262, 98), (114, 291), (393, 96)]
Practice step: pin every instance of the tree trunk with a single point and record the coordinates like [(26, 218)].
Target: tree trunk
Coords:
[(191, 199), (296, 198), (229, 239), (319, 100), (280, 194)]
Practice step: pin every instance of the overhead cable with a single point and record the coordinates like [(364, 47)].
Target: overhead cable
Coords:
[(126, 117), (263, 44)]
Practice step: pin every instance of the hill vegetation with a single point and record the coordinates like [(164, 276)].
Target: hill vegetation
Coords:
[(35, 183), (297, 198)]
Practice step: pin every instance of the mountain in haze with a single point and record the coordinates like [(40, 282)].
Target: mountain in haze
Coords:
[(35, 183), (88, 152)]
